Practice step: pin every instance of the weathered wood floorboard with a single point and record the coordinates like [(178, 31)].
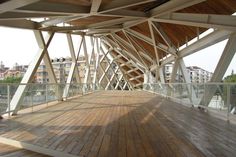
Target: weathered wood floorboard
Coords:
[(123, 124)]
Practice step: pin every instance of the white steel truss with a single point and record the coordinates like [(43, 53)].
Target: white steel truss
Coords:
[(225, 60), (74, 67), (43, 45), (112, 69), (120, 61)]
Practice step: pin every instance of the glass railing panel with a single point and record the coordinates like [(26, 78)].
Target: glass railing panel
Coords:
[(216, 96), (3, 97), (52, 92), (232, 103), (198, 92), (36, 94)]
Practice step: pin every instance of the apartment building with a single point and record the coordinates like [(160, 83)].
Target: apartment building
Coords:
[(16, 71), (61, 67), (168, 68), (199, 75)]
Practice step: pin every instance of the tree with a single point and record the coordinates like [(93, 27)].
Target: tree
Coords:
[(11, 80), (230, 78), (3, 87)]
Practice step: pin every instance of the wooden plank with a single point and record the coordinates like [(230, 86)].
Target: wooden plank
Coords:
[(122, 123), (33, 148)]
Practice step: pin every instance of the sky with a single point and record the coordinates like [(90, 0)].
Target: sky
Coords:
[(19, 46)]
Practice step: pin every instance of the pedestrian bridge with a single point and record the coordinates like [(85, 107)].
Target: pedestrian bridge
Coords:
[(124, 103), (118, 123)]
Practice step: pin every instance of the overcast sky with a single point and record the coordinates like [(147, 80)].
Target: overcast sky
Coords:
[(20, 46)]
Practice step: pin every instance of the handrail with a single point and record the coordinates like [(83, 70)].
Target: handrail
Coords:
[(211, 96), (41, 93)]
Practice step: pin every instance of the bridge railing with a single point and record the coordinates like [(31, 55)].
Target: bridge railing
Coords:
[(37, 94), (212, 96)]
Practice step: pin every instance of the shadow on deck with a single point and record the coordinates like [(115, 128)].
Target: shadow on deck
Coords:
[(119, 123)]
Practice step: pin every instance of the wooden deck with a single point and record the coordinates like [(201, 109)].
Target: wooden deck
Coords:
[(9, 151), (120, 124)]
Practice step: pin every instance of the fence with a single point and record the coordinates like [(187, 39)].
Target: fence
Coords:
[(36, 94), (215, 96)]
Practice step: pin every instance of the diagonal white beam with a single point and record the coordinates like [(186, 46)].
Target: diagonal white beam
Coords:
[(49, 68), (125, 44), (74, 68), (153, 42), (87, 59), (18, 15), (143, 52), (52, 7), (47, 61), (135, 50), (118, 82), (64, 19), (130, 63), (109, 63), (122, 52), (112, 77), (125, 13), (200, 20), (221, 68), (97, 61), (211, 39), (95, 6), (30, 71), (125, 85), (191, 91), (139, 84), (115, 61), (129, 71), (112, 22), (13, 4), (92, 56), (82, 12), (114, 72), (120, 4), (99, 31), (172, 6), (24, 24), (105, 73), (165, 37), (136, 77), (168, 7), (149, 41)]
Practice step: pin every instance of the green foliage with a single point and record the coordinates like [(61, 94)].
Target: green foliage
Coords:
[(11, 80), (230, 78)]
